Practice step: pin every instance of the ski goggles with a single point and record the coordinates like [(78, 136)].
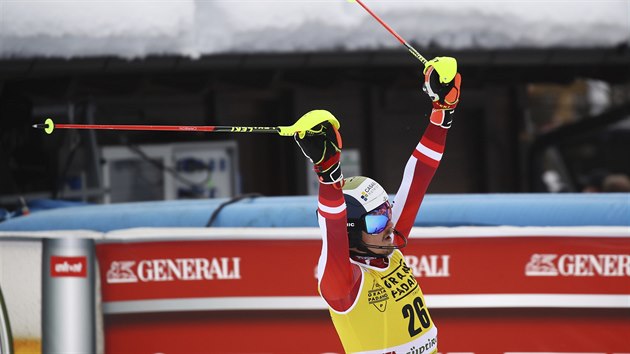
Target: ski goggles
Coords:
[(376, 220)]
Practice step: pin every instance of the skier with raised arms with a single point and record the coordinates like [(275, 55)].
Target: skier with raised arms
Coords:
[(375, 302)]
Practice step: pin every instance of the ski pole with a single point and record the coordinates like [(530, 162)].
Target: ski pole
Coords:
[(49, 126), (446, 67), (305, 123), (411, 49)]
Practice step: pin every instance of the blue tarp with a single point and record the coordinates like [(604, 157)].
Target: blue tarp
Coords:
[(437, 210)]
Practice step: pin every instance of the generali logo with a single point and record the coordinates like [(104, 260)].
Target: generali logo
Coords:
[(68, 266), (429, 265), (578, 265), (150, 270)]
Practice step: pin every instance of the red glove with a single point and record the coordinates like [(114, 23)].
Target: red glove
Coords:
[(445, 97)]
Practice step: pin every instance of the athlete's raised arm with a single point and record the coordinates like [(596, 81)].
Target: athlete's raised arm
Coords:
[(426, 157), (338, 277)]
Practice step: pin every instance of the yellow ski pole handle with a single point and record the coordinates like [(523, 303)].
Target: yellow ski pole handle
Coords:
[(309, 121), (446, 68)]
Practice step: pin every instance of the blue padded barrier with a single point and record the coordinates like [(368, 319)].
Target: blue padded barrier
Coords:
[(299, 211)]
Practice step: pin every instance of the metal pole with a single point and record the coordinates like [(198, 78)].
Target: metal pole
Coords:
[(68, 319), (6, 340)]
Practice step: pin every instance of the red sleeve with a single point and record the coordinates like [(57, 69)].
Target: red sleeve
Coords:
[(419, 171), (339, 279)]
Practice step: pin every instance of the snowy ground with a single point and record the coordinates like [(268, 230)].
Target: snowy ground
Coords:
[(136, 28)]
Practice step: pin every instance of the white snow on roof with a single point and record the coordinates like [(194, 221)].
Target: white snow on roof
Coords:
[(136, 28)]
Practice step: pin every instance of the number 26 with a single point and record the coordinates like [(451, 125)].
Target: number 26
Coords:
[(417, 310)]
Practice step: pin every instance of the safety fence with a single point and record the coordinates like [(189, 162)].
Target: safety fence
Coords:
[(219, 290)]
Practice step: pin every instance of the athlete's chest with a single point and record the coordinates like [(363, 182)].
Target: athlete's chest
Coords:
[(392, 287)]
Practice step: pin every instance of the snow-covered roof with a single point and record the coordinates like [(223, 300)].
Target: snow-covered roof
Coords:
[(137, 28)]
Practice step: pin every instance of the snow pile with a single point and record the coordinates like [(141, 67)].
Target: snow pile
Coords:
[(135, 28), (94, 27)]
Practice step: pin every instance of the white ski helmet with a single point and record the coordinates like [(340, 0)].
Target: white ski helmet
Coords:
[(362, 196)]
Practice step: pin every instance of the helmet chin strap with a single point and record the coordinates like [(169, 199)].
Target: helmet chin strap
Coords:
[(365, 247)]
